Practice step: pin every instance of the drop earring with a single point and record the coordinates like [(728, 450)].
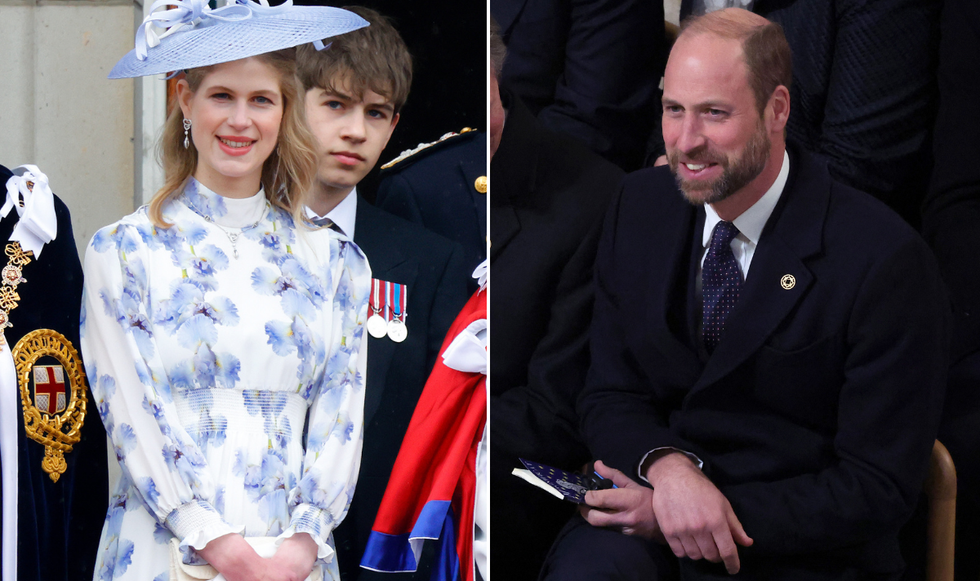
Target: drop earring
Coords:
[(187, 128)]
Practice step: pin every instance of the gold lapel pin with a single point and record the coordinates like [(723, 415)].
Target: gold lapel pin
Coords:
[(788, 281), (481, 184)]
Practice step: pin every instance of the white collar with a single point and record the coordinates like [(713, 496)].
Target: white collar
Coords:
[(751, 222), (343, 214)]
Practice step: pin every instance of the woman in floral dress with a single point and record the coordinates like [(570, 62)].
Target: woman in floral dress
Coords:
[(221, 336)]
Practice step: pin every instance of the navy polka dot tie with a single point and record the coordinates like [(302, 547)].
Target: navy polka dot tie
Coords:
[(721, 280)]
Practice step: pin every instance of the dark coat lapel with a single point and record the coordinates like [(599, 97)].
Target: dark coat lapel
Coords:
[(389, 263), (792, 234), (665, 265), (506, 13), (513, 172)]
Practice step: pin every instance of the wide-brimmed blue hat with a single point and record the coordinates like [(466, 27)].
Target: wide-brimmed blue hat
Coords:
[(194, 35)]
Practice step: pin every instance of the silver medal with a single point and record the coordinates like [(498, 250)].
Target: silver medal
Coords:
[(397, 331), (377, 326)]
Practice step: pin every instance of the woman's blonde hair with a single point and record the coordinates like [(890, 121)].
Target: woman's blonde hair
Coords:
[(289, 172)]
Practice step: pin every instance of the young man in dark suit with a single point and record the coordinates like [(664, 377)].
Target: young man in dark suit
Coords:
[(768, 355), (354, 92)]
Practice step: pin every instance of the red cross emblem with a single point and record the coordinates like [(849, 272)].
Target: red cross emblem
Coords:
[(50, 395)]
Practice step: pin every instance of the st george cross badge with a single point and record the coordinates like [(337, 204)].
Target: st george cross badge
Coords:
[(52, 391), (50, 395)]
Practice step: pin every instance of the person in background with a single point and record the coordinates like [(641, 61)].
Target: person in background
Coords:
[(951, 225), (587, 69), (547, 198), (354, 93), (443, 186)]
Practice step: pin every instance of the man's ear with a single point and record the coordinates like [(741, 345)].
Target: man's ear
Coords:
[(777, 111), (394, 121), (184, 96)]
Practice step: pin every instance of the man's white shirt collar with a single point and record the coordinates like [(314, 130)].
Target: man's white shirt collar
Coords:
[(343, 214), (751, 222)]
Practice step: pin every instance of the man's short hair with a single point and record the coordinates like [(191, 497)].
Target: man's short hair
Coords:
[(373, 58), (768, 57), (498, 50)]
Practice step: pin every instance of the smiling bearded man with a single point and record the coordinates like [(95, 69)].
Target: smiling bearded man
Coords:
[(768, 346)]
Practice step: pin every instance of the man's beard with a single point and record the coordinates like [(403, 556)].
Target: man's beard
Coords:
[(736, 174)]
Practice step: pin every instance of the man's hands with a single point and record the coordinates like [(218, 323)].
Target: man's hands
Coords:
[(684, 510), (694, 517), (628, 508)]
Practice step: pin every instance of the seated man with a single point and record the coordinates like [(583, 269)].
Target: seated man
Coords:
[(768, 346), (354, 94), (547, 200)]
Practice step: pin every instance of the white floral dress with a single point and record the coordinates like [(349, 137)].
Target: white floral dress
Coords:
[(229, 376)]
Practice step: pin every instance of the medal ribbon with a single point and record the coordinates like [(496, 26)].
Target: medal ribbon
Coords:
[(387, 301), (375, 298), (399, 302)]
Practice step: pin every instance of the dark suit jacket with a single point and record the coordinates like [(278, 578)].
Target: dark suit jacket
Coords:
[(589, 69), (548, 196), (59, 523), (436, 188), (864, 91), (815, 415), (433, 269)]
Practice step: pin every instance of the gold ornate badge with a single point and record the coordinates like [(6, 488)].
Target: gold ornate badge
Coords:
[(52, 393)]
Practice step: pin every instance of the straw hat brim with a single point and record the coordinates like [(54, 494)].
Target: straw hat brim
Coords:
[(215, 42)]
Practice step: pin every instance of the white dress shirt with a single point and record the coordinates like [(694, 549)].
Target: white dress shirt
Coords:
[(343, 214)]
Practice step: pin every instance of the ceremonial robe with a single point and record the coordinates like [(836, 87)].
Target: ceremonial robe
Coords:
[(58, 522)]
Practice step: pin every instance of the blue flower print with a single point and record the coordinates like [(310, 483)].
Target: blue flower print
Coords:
[(150, 494), (301, 292), (206, 205), (128, 312), (204, 367), (117, 559), (281, 338), (215, 369), (203, 263), (125, 440), (161, 534), (119, 238), (194, 318)]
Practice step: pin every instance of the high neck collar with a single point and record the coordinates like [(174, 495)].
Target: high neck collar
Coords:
[(228, 212)]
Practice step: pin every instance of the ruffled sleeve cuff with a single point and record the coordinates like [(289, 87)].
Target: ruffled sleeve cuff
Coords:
[(197, 523), (307, 518)]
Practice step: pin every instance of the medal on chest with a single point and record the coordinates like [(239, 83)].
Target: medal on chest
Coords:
[(377, 323), (397, 330), (388, 310)]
